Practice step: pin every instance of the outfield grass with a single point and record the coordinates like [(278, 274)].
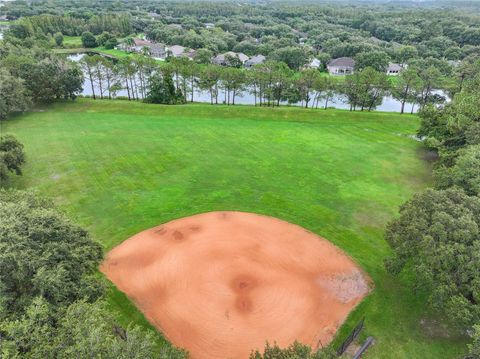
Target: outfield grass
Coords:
[(118, 167)]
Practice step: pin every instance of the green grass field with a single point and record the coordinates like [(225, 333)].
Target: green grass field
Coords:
[(117, 168)]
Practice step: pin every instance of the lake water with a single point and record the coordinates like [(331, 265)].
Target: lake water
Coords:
[(389, 104)]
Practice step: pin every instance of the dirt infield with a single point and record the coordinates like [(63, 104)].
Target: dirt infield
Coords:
[(223, 283)]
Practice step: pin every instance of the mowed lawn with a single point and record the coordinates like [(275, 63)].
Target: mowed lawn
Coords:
[(118, 168)]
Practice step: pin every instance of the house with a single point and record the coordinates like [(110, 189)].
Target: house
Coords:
[(176, 50), (209, 25), (180, 51), (341, 66), (314, 64), (158, 51), (190, 54), (255, 60), (139, 44), (394, 69), (222, 59)]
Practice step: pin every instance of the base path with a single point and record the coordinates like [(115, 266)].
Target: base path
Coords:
[(221, 284)]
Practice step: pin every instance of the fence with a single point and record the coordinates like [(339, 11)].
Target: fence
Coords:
[(351, 337)]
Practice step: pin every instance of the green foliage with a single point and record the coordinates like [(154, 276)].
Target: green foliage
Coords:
[(465, 173), (162, 90), (107, 40), (12, 156), (378, 60), (43, 254), (13, 94), (110, 43), (455, 125), (438, 236), (294, 351), (83, 330), (365, 89), (58, 37), (203, 56), (88, 40), (474, 347), (294, 57), (407, 85), (41, 77)]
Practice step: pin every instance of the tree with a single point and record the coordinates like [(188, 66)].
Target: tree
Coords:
[(451, 127), (404, 88), (430, 80), (43, 254), (209, 80), (464, 174), (203, 56), (103, 38), (13, 94), (365, 88), (88, 40), (84, 330), (162, 90), (406, 53), (233, 61), (12, 156), (111, 43), (58, 37), (294, 57), (377, 60), (294, 351), (88, 63), (52, 78), (437, 236), (233, 81), (474, 347), (306, 84)]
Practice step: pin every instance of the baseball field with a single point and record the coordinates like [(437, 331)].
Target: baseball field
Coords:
[(119, 169)]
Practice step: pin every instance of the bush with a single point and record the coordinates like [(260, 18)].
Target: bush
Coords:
[(88, 40), (12, 156)]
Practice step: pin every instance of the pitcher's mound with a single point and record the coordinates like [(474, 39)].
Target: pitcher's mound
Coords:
[(221, 284)]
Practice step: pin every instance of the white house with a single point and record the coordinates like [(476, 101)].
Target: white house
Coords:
[(394, 69), (314, 64)]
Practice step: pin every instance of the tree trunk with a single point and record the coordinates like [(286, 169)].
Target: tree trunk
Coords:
[(192, 81), (128, 89), (91, 83)]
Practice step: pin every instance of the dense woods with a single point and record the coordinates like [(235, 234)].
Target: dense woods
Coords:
[(438, 232), (403, 31)]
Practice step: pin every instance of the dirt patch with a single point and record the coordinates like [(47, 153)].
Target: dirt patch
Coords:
[(221, 284)]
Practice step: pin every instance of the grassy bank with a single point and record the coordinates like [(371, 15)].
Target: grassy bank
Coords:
[(119, 167)]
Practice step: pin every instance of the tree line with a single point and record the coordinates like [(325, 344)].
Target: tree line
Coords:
[(47, 24), (271, 83), (437, 235)]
